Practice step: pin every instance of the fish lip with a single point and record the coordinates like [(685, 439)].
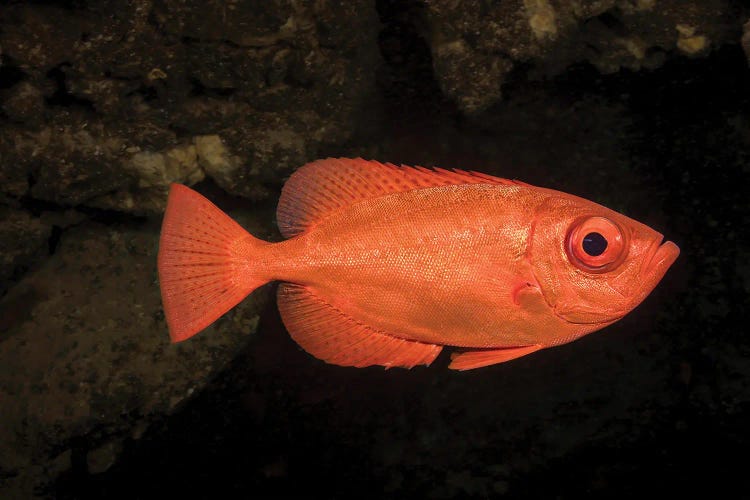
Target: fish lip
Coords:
[(662, 255)]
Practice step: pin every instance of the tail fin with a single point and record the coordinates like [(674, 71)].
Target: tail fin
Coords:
[(205, 263)]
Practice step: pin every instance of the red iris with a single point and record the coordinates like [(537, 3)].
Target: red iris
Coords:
[(595, 244)]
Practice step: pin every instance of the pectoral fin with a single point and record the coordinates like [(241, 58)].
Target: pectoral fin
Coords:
[(528, 296), (484, 357)]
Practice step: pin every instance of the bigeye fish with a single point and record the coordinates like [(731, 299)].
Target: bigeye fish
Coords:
[(386, 265)]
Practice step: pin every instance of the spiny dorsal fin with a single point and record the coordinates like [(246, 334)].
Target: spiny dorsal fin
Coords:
[(323, 186)]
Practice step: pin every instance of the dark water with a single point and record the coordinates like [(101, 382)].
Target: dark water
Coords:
[(658, 403)]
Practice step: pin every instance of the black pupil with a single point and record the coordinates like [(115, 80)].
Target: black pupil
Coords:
[(594, 244)]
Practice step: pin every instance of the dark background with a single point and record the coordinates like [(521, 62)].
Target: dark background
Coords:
[(656, 404)]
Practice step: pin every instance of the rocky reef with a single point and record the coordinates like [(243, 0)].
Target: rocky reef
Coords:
[(639, 104), (108, 103), (476, 45)]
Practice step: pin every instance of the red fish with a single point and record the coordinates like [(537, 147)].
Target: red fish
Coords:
[(386, 265)]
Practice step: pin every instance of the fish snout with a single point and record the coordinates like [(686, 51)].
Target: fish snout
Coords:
[(662, 257), (657, 261)]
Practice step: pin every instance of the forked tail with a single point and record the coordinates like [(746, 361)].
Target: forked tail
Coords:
[(206, 263)]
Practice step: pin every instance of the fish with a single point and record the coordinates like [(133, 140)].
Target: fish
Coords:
[(386, 265)]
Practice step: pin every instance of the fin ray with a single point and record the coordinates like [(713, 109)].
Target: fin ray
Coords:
[(323, 186), (203, 263), (336, 338), (469, 360)]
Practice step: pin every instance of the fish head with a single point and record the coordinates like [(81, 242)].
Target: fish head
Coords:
[(594, 265)]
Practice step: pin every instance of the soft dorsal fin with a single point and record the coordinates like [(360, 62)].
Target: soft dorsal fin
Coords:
[(323, 186)]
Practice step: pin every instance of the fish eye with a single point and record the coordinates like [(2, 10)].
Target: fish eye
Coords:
[(595, 244)]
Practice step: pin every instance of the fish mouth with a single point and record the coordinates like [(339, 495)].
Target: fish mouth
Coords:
[(662, 255)]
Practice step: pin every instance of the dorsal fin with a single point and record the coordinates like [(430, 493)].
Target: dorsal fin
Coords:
[(323, 186)]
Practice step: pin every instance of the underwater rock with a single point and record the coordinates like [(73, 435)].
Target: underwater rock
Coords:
[(87, 359), (24, 103), (275, 80), (467, 77), (216, 160), (22, 237), (104, 457), (69, 162), (157, 169), (275, 143), (91, 164), (488, 40)]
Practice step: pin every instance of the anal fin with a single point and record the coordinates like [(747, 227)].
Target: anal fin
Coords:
[(484, 357), (336, 338)]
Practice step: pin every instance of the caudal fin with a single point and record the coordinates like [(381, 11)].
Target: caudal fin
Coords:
[(206, 263)]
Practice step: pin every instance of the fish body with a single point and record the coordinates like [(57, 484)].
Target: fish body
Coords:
[(386, 265)]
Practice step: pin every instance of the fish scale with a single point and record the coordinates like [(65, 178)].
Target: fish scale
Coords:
[(386, 265)]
